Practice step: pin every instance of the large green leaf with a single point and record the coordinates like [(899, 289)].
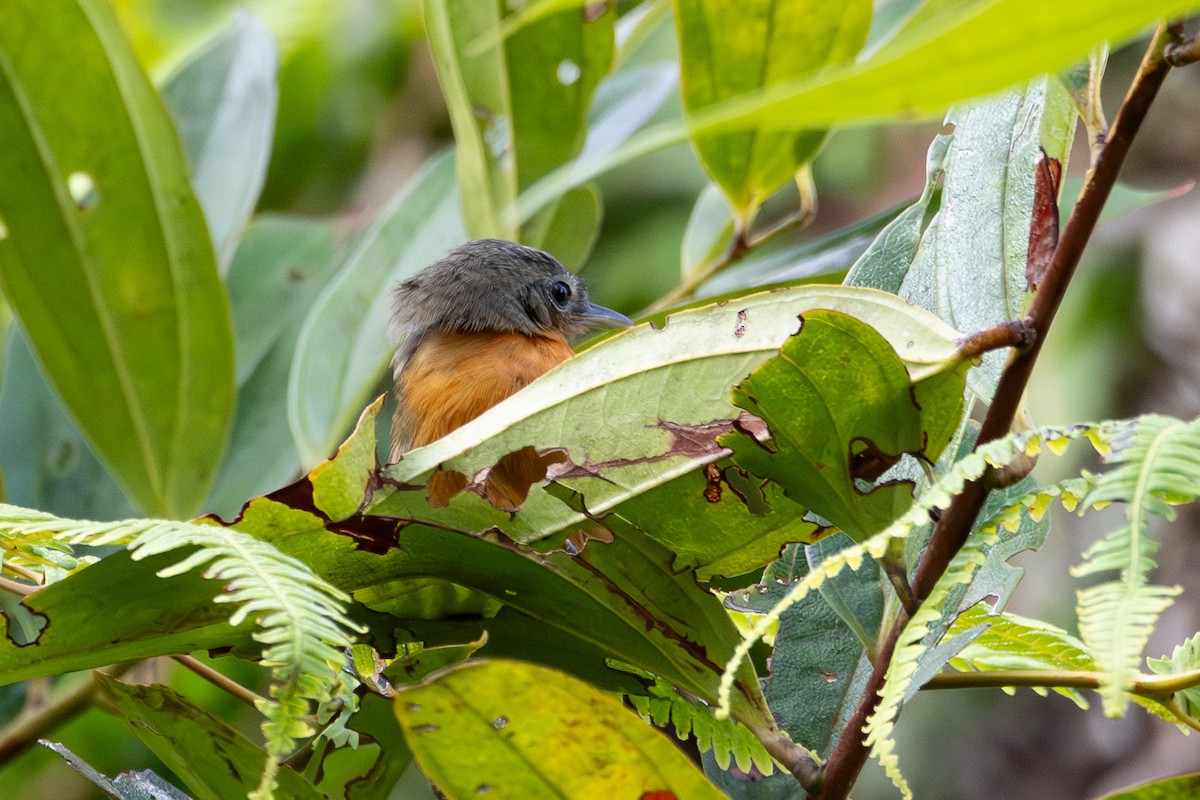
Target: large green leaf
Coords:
[(215, 761), (88, 620), (104, 254), (841, 408), (518, 103), (343, 349), (970, 262), (953, 52), (643, 429), (483, 728), (729, 48), (223, 100)]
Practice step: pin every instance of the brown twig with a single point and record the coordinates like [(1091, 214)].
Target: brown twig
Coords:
[(742, 245), (27, 728), (222, 682), (850, 753), (1013, 333)]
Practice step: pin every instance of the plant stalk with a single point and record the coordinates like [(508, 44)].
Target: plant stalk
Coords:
[(850, 753)]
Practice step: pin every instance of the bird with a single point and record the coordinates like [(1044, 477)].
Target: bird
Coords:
[(476, 326)]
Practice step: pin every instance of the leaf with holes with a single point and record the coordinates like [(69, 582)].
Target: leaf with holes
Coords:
[(104, 254), (483, 728)]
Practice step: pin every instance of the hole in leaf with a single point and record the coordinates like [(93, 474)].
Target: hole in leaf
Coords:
[(568, 72), (578, 540), (508, 482), (83, 190), (23, 626), (867, 461), (442, 487)]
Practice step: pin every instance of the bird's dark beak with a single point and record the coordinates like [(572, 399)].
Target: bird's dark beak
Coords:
[(601, 317)]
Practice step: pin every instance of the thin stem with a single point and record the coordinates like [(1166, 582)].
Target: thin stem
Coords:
[(222, 682), (16, 587), (23, 572), (850, 753), (1013, 333), (26, 729), (1154, 687), (743, 244)]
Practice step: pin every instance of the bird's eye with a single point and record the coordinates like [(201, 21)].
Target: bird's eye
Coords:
[(560, 293)]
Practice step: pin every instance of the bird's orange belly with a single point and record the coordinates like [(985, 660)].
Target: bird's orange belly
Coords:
[(451, 378)]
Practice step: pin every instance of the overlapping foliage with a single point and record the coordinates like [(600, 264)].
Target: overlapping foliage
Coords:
[(794, 438)]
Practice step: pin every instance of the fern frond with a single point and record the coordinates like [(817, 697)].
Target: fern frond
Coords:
[(911, 646), (1158, 464), (300, 618), (938, 495), (729, 741)]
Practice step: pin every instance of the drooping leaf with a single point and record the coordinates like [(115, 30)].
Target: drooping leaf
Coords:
[(343, 348), (841, 409), (955, 52), (104, 254), (223, 100), (728, 49), (486, 724), (213, 760), (518, 103), (727, 742)]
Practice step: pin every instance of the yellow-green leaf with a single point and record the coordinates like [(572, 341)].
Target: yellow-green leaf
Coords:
[(513, 731)]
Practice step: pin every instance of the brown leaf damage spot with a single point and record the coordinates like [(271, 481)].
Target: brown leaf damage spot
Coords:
[(712, 485), (739, 330), (443, 486), (506, 485), (1043, 222)]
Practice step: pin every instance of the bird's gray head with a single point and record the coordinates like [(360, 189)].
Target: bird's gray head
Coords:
[(496, 285)]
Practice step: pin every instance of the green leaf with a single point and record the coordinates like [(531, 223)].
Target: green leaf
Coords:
[(376, 720), (817, 662), (840, 408), (45, 460), (518, 106), (1179, 787), (1184, 658), (213, 760), (282, 264), (342, 351), (571, 230), (104, 255), (223, 100), (785, 261), (955, 52), (94, 622), (731, 48), (643, 430), (970, 267), (1013, 642), (486, 724)]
